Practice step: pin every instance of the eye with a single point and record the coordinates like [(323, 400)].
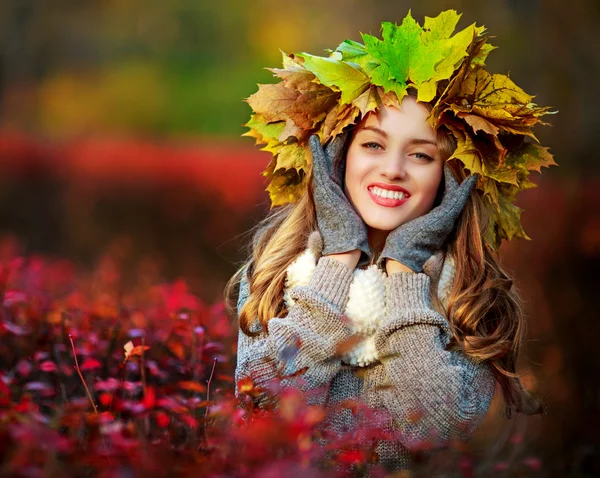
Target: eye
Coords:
[(370, 144), (424, 157)]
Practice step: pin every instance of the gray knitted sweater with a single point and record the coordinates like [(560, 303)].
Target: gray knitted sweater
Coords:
[(416, 376)]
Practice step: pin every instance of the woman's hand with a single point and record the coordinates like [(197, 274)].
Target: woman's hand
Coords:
[(343, 230), (392, 266), (412, 243), (349, 259)]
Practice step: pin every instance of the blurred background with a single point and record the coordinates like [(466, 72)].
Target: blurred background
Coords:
[(120, 126)]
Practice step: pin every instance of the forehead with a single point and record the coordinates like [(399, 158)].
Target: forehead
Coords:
[(410, 117)]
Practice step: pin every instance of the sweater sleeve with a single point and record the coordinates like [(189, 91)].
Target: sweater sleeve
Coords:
[(307, 337), (435, 395)]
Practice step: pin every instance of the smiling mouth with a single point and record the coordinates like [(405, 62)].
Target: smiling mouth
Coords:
[(391, 199), (388, 194)]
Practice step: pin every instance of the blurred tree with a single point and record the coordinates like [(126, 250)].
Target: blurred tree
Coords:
[(183, 67)]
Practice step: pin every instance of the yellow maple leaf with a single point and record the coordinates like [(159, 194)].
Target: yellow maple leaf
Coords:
[(286, 186), (368, 101), (291, 156)]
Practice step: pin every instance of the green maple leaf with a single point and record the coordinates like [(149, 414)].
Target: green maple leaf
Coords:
[(401, 55), (482, 54), (354, 52), (440, 27), (262, 130), (454, 49), (410, 54), (338, 75), (351, 51)]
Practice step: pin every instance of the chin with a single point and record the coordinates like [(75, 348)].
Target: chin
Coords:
[(382, 223)]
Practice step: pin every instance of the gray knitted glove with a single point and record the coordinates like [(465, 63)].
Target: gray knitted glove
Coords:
[(343, 230), (416, 241)]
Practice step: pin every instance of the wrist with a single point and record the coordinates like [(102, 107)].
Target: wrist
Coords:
[(392, 266), (349, 259)]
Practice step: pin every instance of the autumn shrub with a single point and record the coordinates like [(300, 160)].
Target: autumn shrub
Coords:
[(99, 379)]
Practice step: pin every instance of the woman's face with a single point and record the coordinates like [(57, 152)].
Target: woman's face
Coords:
[(393, 166)]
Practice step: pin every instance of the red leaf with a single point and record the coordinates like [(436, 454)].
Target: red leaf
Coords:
[(48, 366), (532, 462), (149, 398), (90, 364), (162, 419), (352, 456), (177, 349), (189, 421), (105, 399), (24, 368)]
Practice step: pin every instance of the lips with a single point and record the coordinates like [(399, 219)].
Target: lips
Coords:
[(387, 202), (389, 187)]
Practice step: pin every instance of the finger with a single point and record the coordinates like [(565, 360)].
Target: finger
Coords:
[(334, 151), (321, 164), (449, 181), (469, 183), (463, 193), (335, 146)]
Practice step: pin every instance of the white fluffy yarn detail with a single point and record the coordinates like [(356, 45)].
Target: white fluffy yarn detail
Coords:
[(363, 353), (364, 310), (366, 300), (299, 273), (366, 306)]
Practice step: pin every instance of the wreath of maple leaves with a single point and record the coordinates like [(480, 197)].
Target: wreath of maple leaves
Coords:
[(490, 117)]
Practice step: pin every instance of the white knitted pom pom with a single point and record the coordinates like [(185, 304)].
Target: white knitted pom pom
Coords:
[(366, 306), (366, 300), (299, 273), (363, 353)]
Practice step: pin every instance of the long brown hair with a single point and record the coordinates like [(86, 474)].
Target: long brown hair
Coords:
[(485, 309)]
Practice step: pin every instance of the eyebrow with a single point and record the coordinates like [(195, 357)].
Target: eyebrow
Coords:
[(385, 135)]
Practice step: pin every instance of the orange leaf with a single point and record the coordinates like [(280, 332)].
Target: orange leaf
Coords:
[(245, 385), (177, 349), (131, 351), (192, 386)]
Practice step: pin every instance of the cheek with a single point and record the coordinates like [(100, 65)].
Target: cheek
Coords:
[(431, 187), (356, 170)]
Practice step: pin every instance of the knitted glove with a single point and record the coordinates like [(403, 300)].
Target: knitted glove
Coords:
[(343, 230), (416, 241)]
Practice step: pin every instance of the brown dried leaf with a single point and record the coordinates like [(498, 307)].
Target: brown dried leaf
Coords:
[(273, 101)]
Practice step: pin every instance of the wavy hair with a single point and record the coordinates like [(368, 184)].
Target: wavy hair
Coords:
[(485, 308)]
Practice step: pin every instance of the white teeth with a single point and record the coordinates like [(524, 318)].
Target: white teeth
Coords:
[(386, 193)]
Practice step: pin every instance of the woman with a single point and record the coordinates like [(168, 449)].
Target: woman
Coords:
[(399, 261)]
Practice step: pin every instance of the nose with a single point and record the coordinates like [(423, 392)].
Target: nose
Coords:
[(394, 167)]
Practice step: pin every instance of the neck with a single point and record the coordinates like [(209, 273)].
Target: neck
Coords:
[(376, 238)]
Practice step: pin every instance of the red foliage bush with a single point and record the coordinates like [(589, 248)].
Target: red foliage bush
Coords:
[(100, 381)]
